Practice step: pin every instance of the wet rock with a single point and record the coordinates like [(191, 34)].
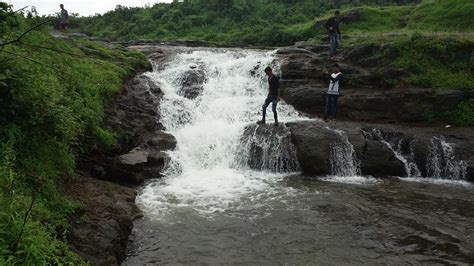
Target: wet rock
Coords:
[(157, 159), (268, 147), (100, 230), (312, 141), (192, 83), (378, 160), (162, 141), (134, 158)]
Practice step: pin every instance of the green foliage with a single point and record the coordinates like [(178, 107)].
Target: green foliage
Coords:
[(263, 22), (440, 62), (463, 115), (52, 97), (443, 15), (105, 137)]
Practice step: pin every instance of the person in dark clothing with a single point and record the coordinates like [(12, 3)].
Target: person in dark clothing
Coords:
[(273, 95), (332, 27), (333, 92), (64, 20)]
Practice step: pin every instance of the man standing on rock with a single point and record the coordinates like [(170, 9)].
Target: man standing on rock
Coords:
[(332, 27), (64, 20), (333, 92), (273, 95)]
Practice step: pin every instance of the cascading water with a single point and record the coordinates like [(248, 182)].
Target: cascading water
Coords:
[(396, 143), (343, 157), (442, 162), (268, 148), (209, 100)]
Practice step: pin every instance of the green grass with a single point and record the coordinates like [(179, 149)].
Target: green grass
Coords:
[(443, 15), (433, 62)]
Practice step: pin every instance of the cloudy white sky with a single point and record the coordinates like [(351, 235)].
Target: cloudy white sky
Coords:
[(83, 7)]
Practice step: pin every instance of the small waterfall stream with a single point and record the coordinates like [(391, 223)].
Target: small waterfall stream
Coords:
[(401, 148), (442, 162), (343, 157)]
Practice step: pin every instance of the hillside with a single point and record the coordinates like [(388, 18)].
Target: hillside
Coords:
[(260, 22), (53, 92)]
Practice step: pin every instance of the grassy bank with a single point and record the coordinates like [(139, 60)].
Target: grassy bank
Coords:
[(52, 98)]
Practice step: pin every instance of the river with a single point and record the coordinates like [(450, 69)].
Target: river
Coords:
[(214, 207)]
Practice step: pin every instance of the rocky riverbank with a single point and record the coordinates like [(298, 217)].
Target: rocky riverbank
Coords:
[(109, 176)]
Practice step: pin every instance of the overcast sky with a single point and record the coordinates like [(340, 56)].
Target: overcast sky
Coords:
[(83, 7)]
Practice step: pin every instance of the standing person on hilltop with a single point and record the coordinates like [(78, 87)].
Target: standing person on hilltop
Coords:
[(333, 92), (332, 27), (273, 95), (64, 20)]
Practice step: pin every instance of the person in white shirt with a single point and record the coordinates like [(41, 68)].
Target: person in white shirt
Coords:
[(333, 93)]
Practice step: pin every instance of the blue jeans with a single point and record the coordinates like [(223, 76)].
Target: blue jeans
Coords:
[(334, 40), (274, 101), (331, 105)]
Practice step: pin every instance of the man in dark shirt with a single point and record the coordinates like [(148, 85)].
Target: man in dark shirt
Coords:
[(64, 20), (273, 95), (332, 27)]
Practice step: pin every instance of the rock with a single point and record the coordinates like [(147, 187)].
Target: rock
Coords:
[(162, 141), (305, 98), (292, 50), (157, 159), (364, 104), (98, 172), (135, 157), (191, 92), (100, 230), (312, 141), (135, 112), (192, 83), (378, 160), (449, 99)]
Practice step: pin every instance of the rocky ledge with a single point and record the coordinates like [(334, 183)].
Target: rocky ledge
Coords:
[(371, 91), (100, 230), (384, 150)]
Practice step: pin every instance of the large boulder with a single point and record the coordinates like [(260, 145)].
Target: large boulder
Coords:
[(312, 141)]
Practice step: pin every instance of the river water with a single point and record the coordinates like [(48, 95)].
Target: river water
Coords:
[(215, 207)]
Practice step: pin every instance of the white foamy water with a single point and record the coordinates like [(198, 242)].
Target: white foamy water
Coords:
[(203, 174)]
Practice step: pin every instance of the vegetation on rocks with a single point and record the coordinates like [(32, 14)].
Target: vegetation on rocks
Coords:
[(52, 97)]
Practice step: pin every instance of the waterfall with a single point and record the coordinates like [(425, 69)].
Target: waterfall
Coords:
[(401, 148), (342, 157), (211, 101), (268, 148), (442, 162)]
